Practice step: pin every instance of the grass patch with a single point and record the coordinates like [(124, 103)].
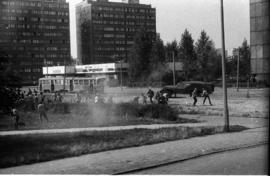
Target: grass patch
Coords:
[(26, 149)]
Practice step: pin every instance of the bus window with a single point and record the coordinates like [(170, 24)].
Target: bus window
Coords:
[(76, 82), (86, 82), (81, 82), (58, 82), (100, 81)]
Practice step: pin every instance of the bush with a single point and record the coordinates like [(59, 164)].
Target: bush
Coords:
[(154, 111)]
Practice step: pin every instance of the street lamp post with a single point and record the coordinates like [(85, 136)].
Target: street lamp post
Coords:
[(121, 73), (121, 62), (173, 68), (64, 76), (237, 83), (248, 85), (225, 110)]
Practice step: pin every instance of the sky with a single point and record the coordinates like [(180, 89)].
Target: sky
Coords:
[(174, 16)]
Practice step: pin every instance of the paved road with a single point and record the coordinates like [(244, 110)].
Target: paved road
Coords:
[(238, 162), (123, 160)]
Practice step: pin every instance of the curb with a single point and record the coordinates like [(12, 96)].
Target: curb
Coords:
[(194, 156)]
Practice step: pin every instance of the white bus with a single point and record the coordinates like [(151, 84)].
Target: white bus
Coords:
[(72, 84)]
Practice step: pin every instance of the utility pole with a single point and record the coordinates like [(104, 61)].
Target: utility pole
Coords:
[(248, 85), (173, 68), (225, 108), (237, 83), (121, 73), (121, 62), (64, 76)]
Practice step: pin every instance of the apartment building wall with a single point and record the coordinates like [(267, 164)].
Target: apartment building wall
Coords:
[(260, 39), (34, 33), (106, 30)]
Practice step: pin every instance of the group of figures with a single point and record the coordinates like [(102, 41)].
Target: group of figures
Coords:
[(163, 98), (205, 96), (37, 103), (159, 97)]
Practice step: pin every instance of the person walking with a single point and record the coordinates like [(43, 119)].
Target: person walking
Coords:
[(194, 96), (158, 95), (16, 117), (206, 96), (42, 112), (142, 99), (150, 94)]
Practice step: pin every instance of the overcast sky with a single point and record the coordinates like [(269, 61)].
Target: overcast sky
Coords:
[(174, 16)]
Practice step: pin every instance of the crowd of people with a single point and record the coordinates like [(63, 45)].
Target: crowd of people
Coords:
[(39, 101), (34, 101), (163, 98)]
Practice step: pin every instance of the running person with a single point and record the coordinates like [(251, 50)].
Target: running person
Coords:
[(42, 112), (194, 96), (206, 95)]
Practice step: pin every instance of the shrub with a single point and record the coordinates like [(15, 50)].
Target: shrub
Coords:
[(154, 111)]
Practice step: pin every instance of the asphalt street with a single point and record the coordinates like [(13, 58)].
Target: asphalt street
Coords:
[(134, 158), (251, 161)]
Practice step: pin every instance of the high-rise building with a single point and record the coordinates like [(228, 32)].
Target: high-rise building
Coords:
[(106, 30), (34, 33), (260, 39)]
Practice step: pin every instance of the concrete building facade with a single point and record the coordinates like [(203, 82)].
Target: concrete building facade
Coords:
[(106, 30), (34, 33), (260, 39)]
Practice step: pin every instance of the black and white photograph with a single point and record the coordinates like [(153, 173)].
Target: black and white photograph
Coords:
[(134, 87)]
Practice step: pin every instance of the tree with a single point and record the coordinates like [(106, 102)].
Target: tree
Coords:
[(206, 57), (9, 80), (157, 52), (171, 48), (157, 66), (244, 61), (139, 56), (187, 55)]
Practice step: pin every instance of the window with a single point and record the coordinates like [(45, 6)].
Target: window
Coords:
[(86, 82), (108, 29), (76, 82), (108, 35)]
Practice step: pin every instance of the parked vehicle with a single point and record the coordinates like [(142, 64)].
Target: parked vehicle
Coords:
[(186, 87)]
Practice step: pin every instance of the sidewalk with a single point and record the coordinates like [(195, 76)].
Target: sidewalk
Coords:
[(206, 121), (122, 160)]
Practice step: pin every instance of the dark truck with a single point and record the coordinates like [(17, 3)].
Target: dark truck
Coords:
[(186, 87)]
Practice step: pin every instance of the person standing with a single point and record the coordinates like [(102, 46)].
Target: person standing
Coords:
[(42, 112), (16, 117), (78, 98), (142, 99), (158, 95), (206, 95), (194, 96), (150, 94)]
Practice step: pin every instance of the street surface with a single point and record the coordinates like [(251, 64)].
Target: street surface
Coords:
[(123, 160), (251, 161)]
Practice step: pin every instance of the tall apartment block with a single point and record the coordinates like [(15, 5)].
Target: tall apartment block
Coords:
[(106, 30), (34, 33), (260, 39)]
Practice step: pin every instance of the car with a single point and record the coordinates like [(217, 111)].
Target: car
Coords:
[(186, 87)]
